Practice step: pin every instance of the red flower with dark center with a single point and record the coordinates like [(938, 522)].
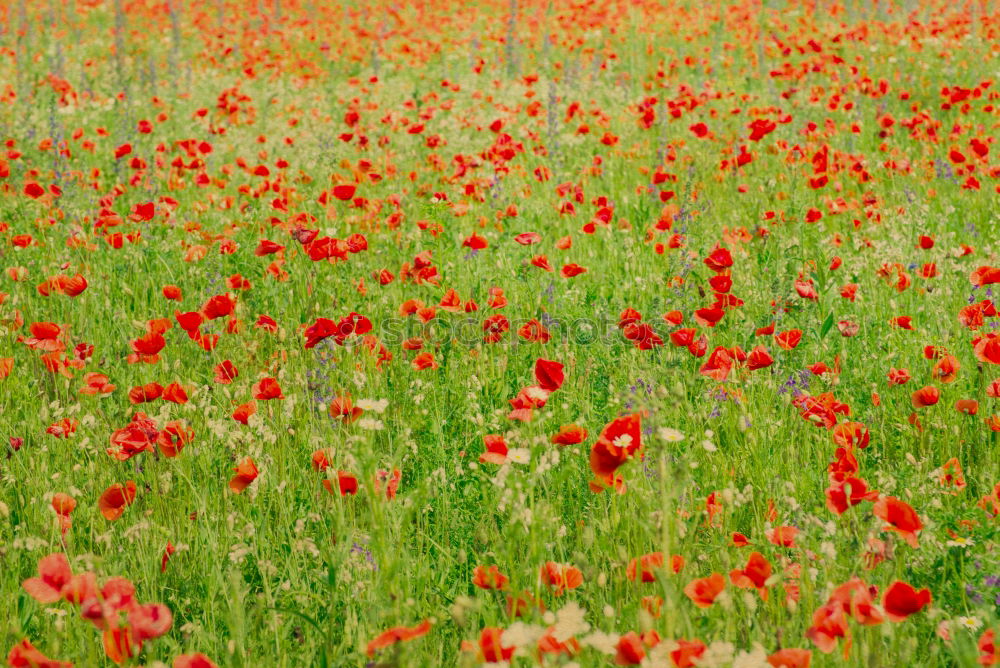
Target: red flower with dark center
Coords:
[(899, 517)]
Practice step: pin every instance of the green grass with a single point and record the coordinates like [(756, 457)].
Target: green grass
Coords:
[(286, 574)]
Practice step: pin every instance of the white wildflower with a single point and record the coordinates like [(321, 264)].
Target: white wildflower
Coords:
[(969, 623), (719, 653), (570, 620), (670, 435), (373, 405), (519, 455), (755, 658), (521, 635), (606, 643)]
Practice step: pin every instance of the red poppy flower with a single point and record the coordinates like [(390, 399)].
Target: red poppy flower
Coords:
[(244, 411), (719, 260), (846, 493), (925, 396), (175, 393), (549, 374), (267, 388), (898, 376), (218, 306), (986, 348), (395, 635), (134, 438), (490, 647), (390, 481), (63, 504), (26, 655), (806, 289), (149, 621), (709, 317), (788, 339), (759, 358), (901, 600), (534, 331), (96, 383), (168, 552), (197, 660), (53, 577), (172, 292), (721, 283), (985, 276), (851, 434), (489, 578), (267, 247), (343, 408), (899, 517), (119, 644), (63, 428), (704, 591), (858, 600), (146, 348), (630, 650), (225, 373), (782, 536), (754, 575), (475, 242), (494, 328), (829, 623), (561, 577), (789, 657), (174, 436), (967, 406), (496, 450), (347, 484), (246, 473), (569, 434), (946, 369), (687, 653), (619, 440), (115, 499), (646, 567), (423, 362), (952, 475), (987, 648)]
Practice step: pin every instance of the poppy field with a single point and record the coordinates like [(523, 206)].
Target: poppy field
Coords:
[(510, 332)]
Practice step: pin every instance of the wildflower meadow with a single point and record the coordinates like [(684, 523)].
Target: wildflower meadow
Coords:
[(519, 333)]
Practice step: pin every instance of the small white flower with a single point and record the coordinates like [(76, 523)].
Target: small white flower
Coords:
[(623, 441), (755, 658), (520, 634), (960, 541), (970, 623), (670, 435), (569, 621), (519, 455), (371, 424), (606, 643), (374, 405)]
